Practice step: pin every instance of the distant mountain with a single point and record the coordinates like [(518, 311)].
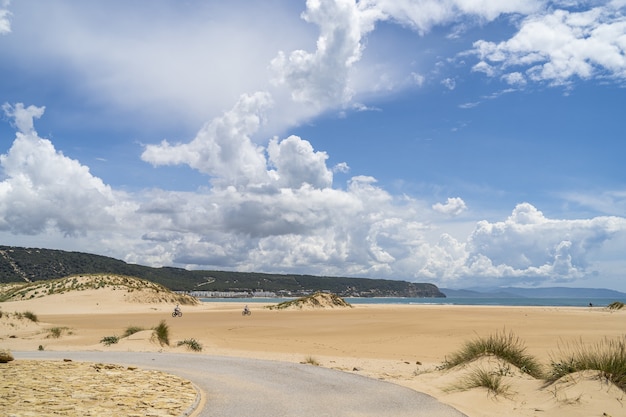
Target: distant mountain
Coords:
[(548, 292), (18, 264)]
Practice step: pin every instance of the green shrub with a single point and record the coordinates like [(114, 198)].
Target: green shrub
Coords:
[(192, 344), (109, 340), (162, 333), (608, 357), (505, 346)]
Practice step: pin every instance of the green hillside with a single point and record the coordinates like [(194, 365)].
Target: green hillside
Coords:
[(18, 264)]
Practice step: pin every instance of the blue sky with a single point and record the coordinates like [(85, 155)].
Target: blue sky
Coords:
[(456, 142)]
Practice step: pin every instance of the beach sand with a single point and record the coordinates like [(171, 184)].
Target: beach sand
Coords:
[(402, 344)]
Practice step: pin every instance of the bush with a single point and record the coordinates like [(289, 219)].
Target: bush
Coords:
[(608, 357), (615, 305), (109, 340), (505, 346), (162, 333), (192, 344)]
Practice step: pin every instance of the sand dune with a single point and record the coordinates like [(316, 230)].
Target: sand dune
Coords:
[(404, 344)]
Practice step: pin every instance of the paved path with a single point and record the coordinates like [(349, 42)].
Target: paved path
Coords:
[(237, 387)]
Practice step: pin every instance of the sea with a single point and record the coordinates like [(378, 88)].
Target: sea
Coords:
[(470, 301)]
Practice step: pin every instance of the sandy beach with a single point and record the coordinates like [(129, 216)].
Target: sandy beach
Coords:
[(402, 344)]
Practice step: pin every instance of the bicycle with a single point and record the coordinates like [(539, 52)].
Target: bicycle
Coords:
[(246, 312), (177, 313)]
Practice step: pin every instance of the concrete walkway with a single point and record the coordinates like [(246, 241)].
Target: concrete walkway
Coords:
[(238, 387)]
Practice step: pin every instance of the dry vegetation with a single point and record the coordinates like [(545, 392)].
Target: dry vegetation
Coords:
[(317, 300), (139, 290)]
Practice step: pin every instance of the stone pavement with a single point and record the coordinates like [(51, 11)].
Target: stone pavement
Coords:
[(66, 388)]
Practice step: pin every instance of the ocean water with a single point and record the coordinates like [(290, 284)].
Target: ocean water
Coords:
[(489, 301)]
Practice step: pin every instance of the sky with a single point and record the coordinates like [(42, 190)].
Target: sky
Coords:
[(465, 143)]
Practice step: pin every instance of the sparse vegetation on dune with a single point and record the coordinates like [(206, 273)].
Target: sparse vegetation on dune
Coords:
[(503, 345), (130, 330), (192, 344), (483, 378), (56, 332), (162, 333), (608, 357), (616, 305), (140, 290), (317, 300), (109, 340)]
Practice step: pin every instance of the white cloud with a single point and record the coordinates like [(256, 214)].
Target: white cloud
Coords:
[(560, 45), (275, 208), (453, 206), (23, 117), (423, 15), (5, 23), (296, 223), (44, 189), (449, 83), (321, 78), (515, 78), (223, 148)]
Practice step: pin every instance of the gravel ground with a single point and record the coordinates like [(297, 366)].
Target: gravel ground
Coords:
[(238, 387)]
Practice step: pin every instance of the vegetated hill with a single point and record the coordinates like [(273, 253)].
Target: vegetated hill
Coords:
[(140, 290), (314, 301), (18, 264)]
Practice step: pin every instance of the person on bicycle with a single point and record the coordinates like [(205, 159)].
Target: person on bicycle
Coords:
[(246, 310), (177, 309)]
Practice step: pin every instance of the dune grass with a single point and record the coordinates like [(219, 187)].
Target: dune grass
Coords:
[(57, 332), (608, 357), (109, 340), (162, 333), (482, 378), (310, 360), (130, 330), (503, 345), (192, 344)]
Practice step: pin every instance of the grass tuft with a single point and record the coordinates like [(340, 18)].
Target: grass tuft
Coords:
[(162, 333), (30, 316), (310, 360), (56, 332), (191, 344), (505, 346), (608, 357), (615, 305), (130, 330), (481, 378), (109, 340)]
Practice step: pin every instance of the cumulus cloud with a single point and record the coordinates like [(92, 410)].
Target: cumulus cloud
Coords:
[(296, 223), (453, 206), (321, 77), (275, 207), (559, 45), (44, 189)]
